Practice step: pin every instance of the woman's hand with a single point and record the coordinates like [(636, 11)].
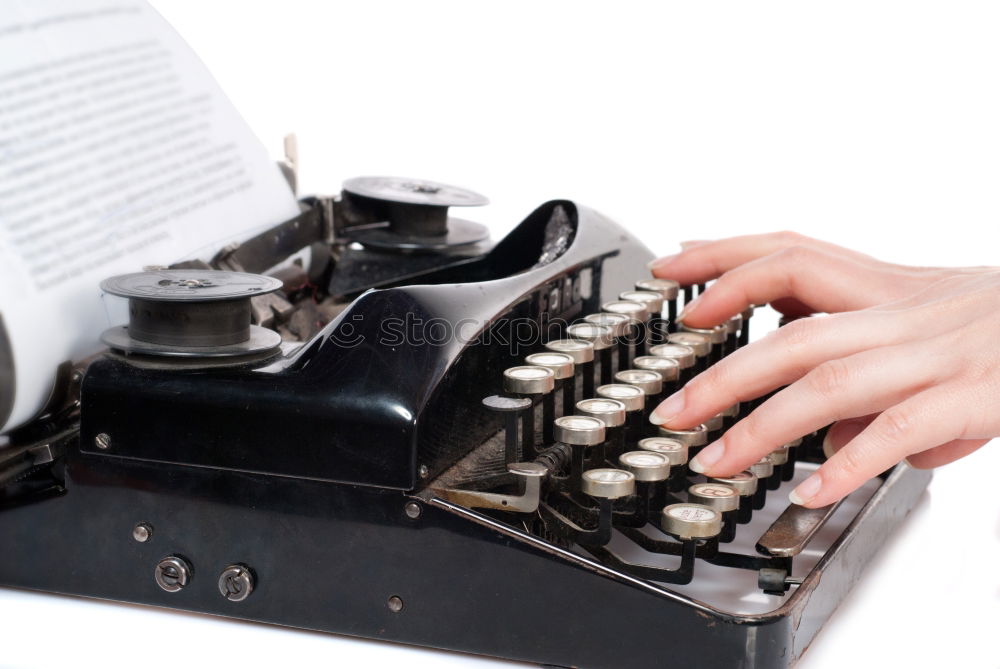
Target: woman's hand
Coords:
[(906, 364)]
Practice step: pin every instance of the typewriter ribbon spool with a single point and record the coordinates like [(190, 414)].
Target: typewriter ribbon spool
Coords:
[(191, 318), (411, 215)]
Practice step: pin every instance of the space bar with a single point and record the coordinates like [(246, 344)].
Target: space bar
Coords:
[(792, 531)]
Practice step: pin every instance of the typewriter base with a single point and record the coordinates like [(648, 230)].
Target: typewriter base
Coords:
[(329, 557)]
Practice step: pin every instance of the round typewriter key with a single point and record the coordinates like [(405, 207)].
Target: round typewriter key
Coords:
[(744, 483), (675, 451), (610, 412), (599, 336), (748, 312), (715, 422), (691, 521), (648, 381), (701, 344), (669, 370), (732, 412), (696, 436), (579, 430), (581, 351), (652, 300), (733, 324), (716, 335), (667, 288), (779, 456), (528, 380), (636, 311), (608, 483), (617, 323), (762, 468), (646, 465), (632, 397), (560, 364), (716, 496), (682, 353)]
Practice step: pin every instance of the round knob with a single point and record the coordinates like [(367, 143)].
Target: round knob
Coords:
[(731, 412), (744, 483), (701, 344), (683, 354), (636, 311), (600, 336), (648, 381), (779, 456), (579, 430), (716, 335), (646, 465), (579, 350), (667, 288), (691, 521), (608, 483), (668, 369), (617, 323), (716, 496), (676, 451), (631, 396), (529, 380), (695, 436), (715, 422), (652, 300), (560, 364), (236, 582), (610, 412), (763, 468), (173, 573)]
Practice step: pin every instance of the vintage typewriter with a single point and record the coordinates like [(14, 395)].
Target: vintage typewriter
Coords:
[(417, 436)]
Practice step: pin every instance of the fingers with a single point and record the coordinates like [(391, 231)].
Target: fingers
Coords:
[(786, 355), (818, 279), (701, 260), (914, 425), (945, 453), (850, 387)]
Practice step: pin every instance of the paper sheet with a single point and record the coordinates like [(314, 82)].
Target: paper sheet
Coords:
[(117, 150)]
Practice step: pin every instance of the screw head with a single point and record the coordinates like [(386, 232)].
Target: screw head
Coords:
[(413, 510), (142, 532), (103, 441), (423, 471), (172, 573), (236, 582), (395, 604)]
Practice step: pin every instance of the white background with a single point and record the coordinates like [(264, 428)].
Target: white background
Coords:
[(870, 124)]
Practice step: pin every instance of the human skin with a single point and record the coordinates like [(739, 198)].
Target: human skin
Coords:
[(905, 362)]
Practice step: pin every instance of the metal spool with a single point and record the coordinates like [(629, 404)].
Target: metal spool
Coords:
[(191, 318), (401, 214)]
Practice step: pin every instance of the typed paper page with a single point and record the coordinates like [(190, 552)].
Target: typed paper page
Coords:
[(117, 150)]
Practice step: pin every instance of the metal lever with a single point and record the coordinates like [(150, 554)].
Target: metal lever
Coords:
[(795, 527), (529, 475)]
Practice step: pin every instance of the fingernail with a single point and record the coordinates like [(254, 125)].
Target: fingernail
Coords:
[(707, 457), (688, 308), (691, 243), (653, 264), (806, 491), (669, 408)]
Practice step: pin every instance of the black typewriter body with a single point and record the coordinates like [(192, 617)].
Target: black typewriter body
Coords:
[(319, 477)]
